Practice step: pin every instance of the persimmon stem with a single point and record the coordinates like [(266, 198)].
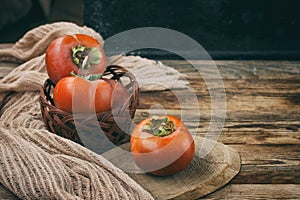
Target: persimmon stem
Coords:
[(159, 126)]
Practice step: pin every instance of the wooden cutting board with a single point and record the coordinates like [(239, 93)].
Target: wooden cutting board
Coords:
[(201, 177)]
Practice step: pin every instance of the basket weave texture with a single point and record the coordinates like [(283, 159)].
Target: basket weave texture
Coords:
[(66, 124)]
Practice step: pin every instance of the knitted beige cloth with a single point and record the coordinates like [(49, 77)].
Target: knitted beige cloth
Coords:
[(34, 163)]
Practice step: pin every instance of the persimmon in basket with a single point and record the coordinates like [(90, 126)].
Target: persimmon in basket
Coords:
[(78, 53), (79, 95), (75, 63)]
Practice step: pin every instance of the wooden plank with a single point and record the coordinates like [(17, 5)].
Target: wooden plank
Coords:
[(258, 102), (278, 86), (269, 164), (261, 174), (252, 69), (272, 154), (257, 191), (260, 136)]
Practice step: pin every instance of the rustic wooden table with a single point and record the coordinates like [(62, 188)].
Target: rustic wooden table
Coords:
[(262, 124)]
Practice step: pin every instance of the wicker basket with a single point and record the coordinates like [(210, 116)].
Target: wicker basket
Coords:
[(62, 123)]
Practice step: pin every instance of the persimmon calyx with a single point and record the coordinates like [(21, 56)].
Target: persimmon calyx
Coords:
[(86, 57), (159, 126)]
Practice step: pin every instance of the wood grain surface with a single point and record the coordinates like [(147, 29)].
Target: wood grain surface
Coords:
[(262, 123)]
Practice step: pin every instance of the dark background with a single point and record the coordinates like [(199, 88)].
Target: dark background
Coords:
[(227, 29), (14, 23)]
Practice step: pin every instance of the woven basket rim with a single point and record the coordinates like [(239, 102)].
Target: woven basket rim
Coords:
[(55, 118)]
